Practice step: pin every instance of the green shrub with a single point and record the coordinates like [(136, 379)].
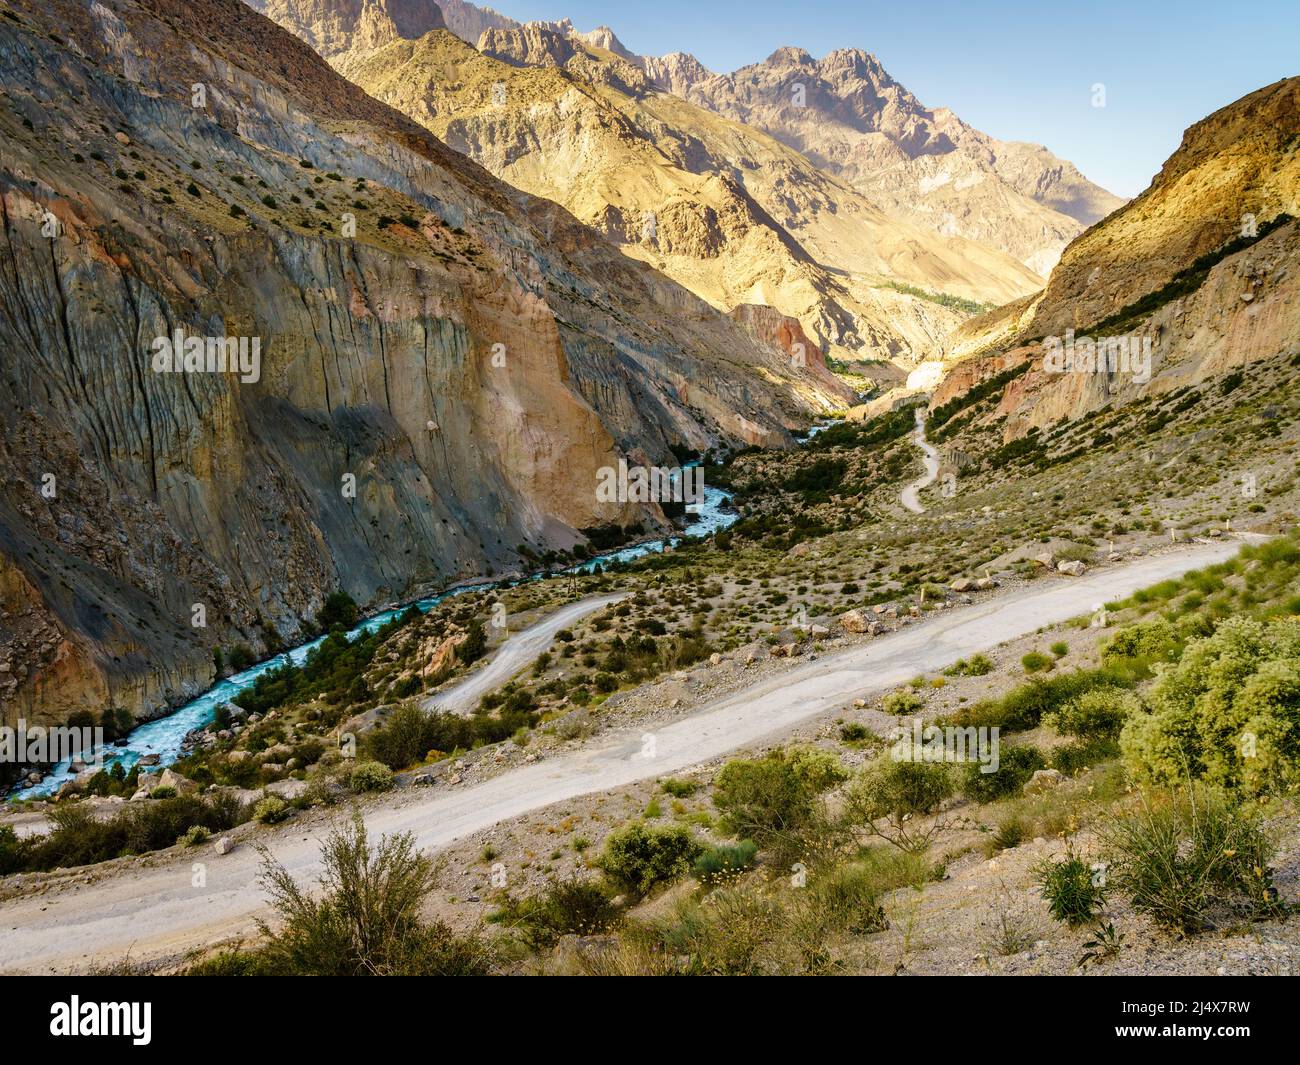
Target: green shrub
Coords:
[(163, 791), (902, 702), (1176, 856), (566, 907), (371, 776), (1070, 758), (194, 836), (1015, 766), (679, 789), (1099, 713), (1229, 712), (978, 666), (1060, 649), (637, 859), (271, 810), (716, 865), (1074, 893), (365, 918), (854, 732), (77, 838), (1154, 639), (769, 799), (888, 794), (1036, 662), (13, 851)]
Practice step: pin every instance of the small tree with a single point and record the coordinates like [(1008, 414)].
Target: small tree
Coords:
[(888, 796)]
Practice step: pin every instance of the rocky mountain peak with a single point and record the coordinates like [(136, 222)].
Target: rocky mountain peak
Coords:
[(789, 56)]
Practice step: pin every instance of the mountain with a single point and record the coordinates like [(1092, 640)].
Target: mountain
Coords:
[(437, 390), (853, 120), (1204, 266), (737, 217), (850, 117), (725, 210)]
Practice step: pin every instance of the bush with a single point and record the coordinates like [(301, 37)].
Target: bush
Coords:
[(1229, 712), (77, 838), (902, 702), (270, 810), (1036, 662), (371, 776), (1015, 766), (769, 799), (679, 789), (1099, 713), (366, 921), (1071, 758), (895, 792), (716, 865), (1176, 856), (854, 732), (637, 859), (1074, 894), (1155, 639), (339, 609), (13, 851), (566, 907), (194, 836)]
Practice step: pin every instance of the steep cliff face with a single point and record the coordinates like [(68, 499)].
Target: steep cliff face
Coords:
[(445, 363), (725, 210), (1201, 272)]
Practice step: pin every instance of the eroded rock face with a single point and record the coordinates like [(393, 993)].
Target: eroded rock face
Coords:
[(436, 386), (1235, 173)]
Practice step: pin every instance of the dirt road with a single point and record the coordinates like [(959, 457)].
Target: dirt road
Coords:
[(158, 910), (908, 497), (519, 651)]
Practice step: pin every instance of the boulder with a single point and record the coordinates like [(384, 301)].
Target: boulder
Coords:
[(1047, 559), (279, 753), (1071, 568), (288, 790), (183, 785), (224, 845), (150, 759), (962, 584), (853, 621), (1043, 780), (819, 631)]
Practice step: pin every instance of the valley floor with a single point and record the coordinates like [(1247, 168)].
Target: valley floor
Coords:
[(162, 905)]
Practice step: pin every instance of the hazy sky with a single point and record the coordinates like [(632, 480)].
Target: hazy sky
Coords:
[(1019, 71)]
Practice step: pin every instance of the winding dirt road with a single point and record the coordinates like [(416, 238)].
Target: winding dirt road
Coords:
[(158, 910), (516, 653), (908, 497)]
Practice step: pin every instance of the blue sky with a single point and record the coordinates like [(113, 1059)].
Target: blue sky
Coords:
[(1019, 71)]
